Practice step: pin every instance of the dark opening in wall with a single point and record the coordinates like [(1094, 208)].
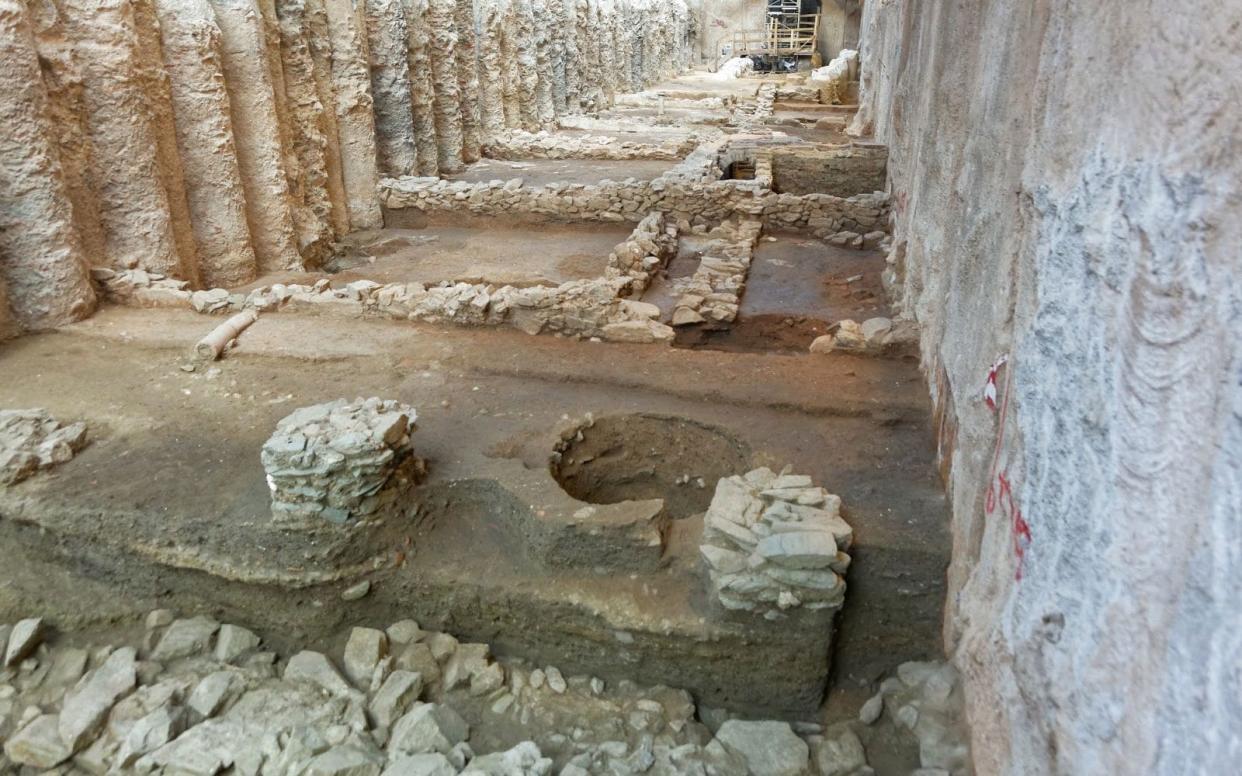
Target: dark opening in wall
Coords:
[(741, 170)]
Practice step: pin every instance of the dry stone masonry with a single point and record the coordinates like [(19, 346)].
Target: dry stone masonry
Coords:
[(774, 542), (599, 307), (714, 292), (337, 461), (520, 144)]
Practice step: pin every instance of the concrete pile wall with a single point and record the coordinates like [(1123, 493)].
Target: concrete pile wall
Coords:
[(541, 59), (1066, 189), (213, 141)]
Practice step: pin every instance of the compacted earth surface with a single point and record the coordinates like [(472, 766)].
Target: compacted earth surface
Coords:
[(535, 600)]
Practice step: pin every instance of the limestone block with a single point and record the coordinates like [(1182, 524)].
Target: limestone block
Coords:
[(86, 706), (332, 461), (429, 727), (769, 748), (38, 744)]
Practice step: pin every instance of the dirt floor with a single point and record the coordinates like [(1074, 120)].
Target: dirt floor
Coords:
[(511, 254), (173, 471), (537, 172), (858, 425), (471, 250), (798, 286)]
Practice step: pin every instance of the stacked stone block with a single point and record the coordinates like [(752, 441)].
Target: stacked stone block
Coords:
[(334, 461), (775, 542)]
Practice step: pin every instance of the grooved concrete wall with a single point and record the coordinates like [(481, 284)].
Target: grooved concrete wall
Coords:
[(217, 140), (1067, 181)]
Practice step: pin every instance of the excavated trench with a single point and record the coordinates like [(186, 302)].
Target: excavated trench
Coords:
[(646, 456), (486, 548)]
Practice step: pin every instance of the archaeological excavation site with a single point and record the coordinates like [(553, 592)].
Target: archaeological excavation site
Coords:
[(620, 387)]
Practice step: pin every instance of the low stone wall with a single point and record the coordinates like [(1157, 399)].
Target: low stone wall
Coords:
[(598, 307), (519, 144), (701, 204), (651, 245), (713, 293), (754, 114), (856, 169), (800, 93)]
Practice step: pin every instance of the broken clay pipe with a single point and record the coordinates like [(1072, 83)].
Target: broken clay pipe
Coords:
[(210, 347)]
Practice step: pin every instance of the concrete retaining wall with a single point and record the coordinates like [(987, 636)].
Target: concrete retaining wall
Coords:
[(1066, 191)]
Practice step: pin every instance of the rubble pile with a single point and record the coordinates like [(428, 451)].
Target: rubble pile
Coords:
[(333, 461), (32, 439), (874, 335), (773, 542), (925, 700), (194, 696)]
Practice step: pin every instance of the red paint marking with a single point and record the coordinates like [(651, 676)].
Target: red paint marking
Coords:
[(1002, 497)]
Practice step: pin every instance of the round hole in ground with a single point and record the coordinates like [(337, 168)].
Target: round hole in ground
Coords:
[(644, 456)]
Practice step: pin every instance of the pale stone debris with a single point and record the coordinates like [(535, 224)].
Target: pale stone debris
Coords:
[(118, 708), (31, 440)]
